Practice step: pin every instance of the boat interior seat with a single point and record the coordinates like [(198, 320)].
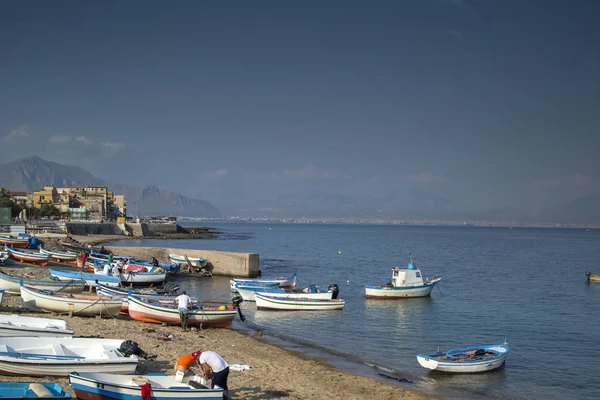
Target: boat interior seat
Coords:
[(59, 349), (40, 390)]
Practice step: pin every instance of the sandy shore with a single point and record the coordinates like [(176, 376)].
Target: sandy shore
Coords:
[(275, 373)]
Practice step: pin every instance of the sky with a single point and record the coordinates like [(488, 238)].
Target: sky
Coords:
[(485, 104)]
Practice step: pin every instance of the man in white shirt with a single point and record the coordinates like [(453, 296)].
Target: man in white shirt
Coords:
[(215, 368), (107, 269), (183, 301)]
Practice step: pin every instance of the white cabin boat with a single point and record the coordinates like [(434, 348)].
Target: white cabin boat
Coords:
[(17, 325), (52, 356), (406, 282)]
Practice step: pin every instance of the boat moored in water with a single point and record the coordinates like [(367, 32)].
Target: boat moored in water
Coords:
[(468, 360), (265, 302), (406, 283), (592, 277)]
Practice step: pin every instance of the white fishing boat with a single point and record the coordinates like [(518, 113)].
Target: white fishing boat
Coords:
[(12, 284), (75, 304), (195, 261), (17, 325), (28, 256), (406, 282), (468, 360), (282, 282), (101, 386), (52, 356), (279, 303), (58, 255), (312, 293)]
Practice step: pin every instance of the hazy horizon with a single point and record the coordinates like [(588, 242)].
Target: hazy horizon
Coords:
[(432, 107)]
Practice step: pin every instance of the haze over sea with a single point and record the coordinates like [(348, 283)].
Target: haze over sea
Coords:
[(524, 284)]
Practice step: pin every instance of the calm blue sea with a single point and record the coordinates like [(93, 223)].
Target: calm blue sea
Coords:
[(524, 284)]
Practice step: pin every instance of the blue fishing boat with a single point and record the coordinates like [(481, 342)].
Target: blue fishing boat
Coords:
[(89, 278), (32, 390), (468, 360), (282, 282)]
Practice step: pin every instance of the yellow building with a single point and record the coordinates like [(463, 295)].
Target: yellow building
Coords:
[(47, 196)]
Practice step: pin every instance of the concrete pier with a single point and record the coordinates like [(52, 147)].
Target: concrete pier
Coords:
[(223, 262)]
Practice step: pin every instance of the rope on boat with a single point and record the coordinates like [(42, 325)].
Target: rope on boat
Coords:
[(90, 305)]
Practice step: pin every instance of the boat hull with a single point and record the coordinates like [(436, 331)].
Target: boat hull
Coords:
[(195, 261), (14, 242), (98, 386), (47, 356), (441, 361), (396, 293), (90, 279), (61, 256), (16, 325), (85, 305), (12, 285), (28, 257), (281, 304), (159, 313), (289, 282), (248, 293)]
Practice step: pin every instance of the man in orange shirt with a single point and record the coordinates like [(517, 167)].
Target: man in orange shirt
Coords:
[(186, 361)]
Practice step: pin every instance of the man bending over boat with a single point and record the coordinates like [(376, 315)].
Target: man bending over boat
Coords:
[(184, 303), (214, 367)]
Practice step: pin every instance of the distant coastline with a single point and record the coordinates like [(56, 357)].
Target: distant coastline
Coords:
[(381, 221)]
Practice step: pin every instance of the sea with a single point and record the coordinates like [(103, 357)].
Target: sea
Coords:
[(524, 284)]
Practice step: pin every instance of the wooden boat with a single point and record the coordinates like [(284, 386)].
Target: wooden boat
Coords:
[(52, 356), (468, 360), (313, 293), (63, 256), (157, 312), (102, 386), (406, 282), (168, 290), (12, 284), (32, 390), (195, 261), (131, 275), (89, 278), (264, 302), (75, 304), (19, 242), (78, 248), (108, 291), (17, 325), (592, 277), (28, 256)]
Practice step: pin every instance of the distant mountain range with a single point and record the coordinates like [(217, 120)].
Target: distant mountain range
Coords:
[(33, 173)]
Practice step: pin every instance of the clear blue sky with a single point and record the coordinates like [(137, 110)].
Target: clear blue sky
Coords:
[(484, 103)]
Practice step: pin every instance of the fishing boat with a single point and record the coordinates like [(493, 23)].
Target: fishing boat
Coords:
[(59, 356), (103, 386), (108, 291), (17, 325), (406, 283), (195, 261), (592, 277), (468, 360), (167, 290), (58, 255), (149, 310), (32, 390), (89, 278), (312, 292), (12, 284), (11, 241), (28, 256), (282, 282), (74, 304), (85, 248), (265, 302)]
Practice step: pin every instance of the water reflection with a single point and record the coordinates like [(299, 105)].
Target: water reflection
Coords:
[(402, 308), (482, 383)]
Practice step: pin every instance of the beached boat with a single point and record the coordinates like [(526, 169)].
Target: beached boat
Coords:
[(75, 304), (17, 325), (102, 386), (3, 256), (158, 312), (282, 282), (59, 356), (58, 255), (264, 302), (313, 292), (468, 360), (108, 291), (89, 278), (85, 248), (592, 277), (28, 256), (168, 290), (406, 283), (12, 284), (195, 261), (32, 390), (19, 242)]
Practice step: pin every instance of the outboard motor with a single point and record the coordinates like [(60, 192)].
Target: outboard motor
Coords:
[(335, 289), (587, 276), (236, 303), (129, 347)]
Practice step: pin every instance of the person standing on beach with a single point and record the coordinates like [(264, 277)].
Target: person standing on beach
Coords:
[(215, 368), (184, 303)]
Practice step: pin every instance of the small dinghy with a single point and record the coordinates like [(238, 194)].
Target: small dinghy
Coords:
[(12, 284), (195, 261), (95, 386), (74, 304), (265, 302), (32, 390), (17, 325), (51, 356), (468, 360)]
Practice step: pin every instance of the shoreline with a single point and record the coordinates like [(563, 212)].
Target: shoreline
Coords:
[(276, 371)]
